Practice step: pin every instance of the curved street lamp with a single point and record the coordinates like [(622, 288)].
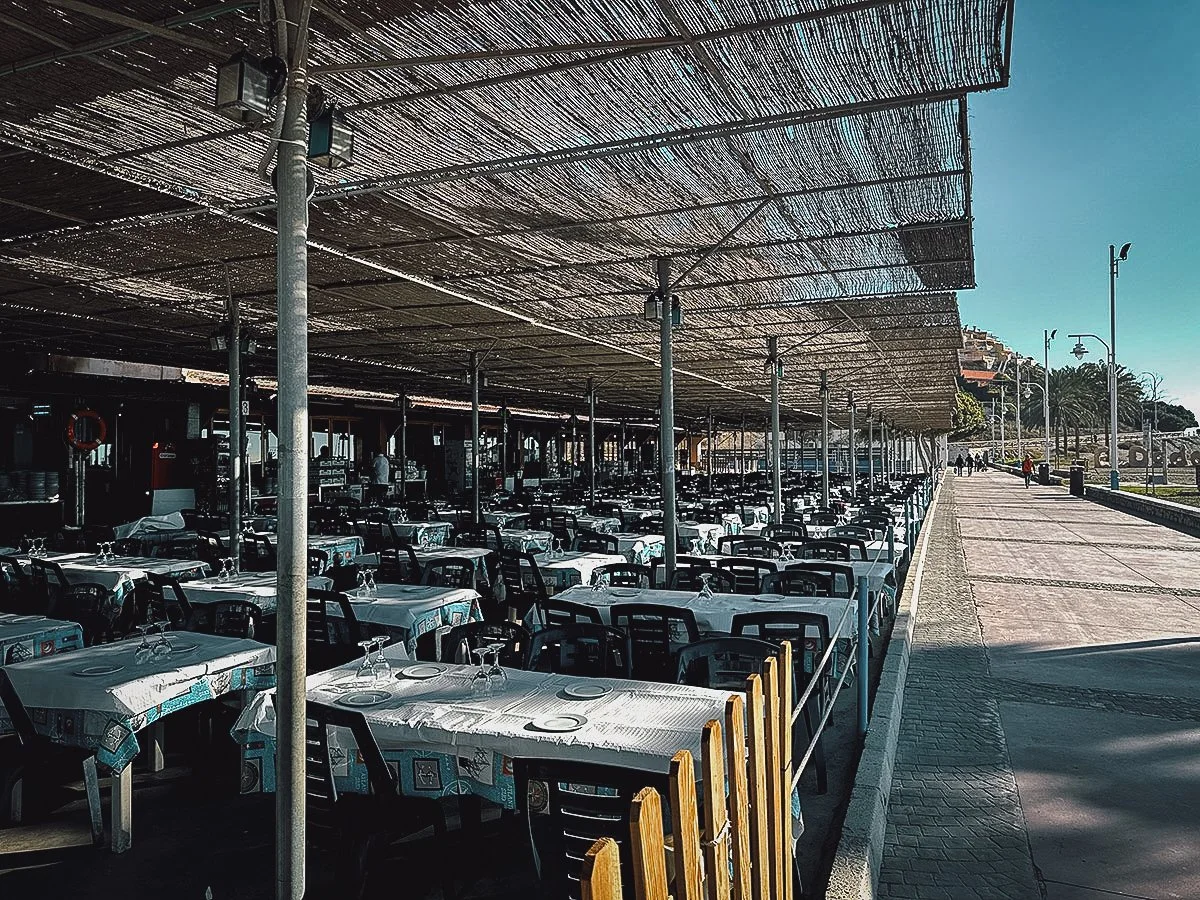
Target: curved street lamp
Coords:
[(1080, 351)]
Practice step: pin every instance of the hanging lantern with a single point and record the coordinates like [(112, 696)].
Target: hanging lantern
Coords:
[(246, 85), (331, 140)]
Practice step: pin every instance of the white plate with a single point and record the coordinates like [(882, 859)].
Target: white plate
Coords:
[(587, 691), (95, 671), (364, 698), (427, 670), (624, 592), (24, 620), (184, 648), (561, 722)]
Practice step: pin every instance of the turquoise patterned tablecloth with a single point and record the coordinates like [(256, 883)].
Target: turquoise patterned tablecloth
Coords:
[(23, 638), (99, 698)]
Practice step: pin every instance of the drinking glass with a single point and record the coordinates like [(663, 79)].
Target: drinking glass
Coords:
[(361, 587), (697, 546), (366, 667), (162, 646), (480, 681), (144, 651), (495, 671), (380, 665), (372, 588), (705, 591)]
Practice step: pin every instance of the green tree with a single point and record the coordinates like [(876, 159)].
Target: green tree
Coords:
[(969, 419), (1174, 417)]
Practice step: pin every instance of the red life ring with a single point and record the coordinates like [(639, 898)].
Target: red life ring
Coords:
[(101, 430)]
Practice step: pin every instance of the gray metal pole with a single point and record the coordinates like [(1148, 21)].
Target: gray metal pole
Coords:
[(235, 425), (864, 643), (824, 439), (870, 451), (667, 424), (1046, 395), (710, 443), (403, 446), (742, 454), (853, 452), (1114, 474), (292, 403), (776, 450), (621, 461), (591, 441), (473, 364)]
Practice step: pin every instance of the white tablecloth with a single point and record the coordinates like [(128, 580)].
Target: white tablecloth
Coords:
[(25, 637), (574, 567), (639, 548), (258, 588)]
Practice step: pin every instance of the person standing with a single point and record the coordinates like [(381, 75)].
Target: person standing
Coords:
[(970, 464), (381, 472), (1027, 468), (958, 465)]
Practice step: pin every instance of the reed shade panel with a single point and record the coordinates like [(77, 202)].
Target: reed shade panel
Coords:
[(517, 167)]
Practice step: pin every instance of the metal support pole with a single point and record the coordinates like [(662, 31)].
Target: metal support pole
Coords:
[(824, 439), (1046, 395), (668, 419), (864, 638), (1020, 445), (235, 425), (1003, 443), (504, 445), (1114, 474), (742, 454), (591, 456), (622, 454), (291, 176), (473, 369), (403, 446), (870, 452), (776, 449), (853, 452), (710, 444)]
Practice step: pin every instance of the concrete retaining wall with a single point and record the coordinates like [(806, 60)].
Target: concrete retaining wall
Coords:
[(1178, 516), (855, 872)]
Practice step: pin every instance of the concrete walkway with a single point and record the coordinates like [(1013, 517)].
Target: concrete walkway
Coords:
[(1050, 744)]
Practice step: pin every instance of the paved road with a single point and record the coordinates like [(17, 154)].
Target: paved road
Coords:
[(1050, 745)]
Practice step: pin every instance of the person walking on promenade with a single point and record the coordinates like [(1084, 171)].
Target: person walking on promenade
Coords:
[(958, 465), (1027, 468), (979, 462), (970, 464)]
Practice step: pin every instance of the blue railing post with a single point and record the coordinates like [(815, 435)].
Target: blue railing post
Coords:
[(864, 615), (891, 539)]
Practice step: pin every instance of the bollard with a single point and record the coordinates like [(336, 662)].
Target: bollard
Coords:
[(864, 609)]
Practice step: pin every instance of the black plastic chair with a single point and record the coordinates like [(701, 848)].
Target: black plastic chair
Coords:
[(594, 542), (722, 663), (649, 525), (831, 550), (556, 611), (482, 536), (798, 583), (229, 618), (582, 803), (727, 543), (454, 572), (344, 578), (843, 575), (720, 581), (318, 561), (389, 570), (824, 518), (461, 639), (747, 573), (853, 530), (258, 554), (331, 640), (16, 588), (47, 583), (629, 575), (758, 547), (352, 827), (655, 632), (590, 650), (92, 606), (160, 598), (856, 546), (524, 587)]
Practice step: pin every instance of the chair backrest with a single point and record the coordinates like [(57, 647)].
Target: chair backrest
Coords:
[(162, 599), (727, 543), (456, 572), (720, 581), (48, 584), (587, 649), (331, 642), (320, 790), (606, 511), (461, 639), (822, 549), (798, 583), (824, 518), (655, 632), (522, 580), (92, 606), (785, 531), (622, 575), (781, 625), (582, 803), (652, 524), (344, 578), (230, 618), (557, 611), (482, 536), (390, 571), (594, 542), (16, 590), (318, 561), (843, 575), (722, 663), (260, 553), (747, 573), (759, 547), (856, 546)]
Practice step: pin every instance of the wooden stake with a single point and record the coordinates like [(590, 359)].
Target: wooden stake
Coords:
[(757, 743), (716, 817), (786, 686), (774, 789), (685, 824), (600, 877), (739, 801), (649, 855)]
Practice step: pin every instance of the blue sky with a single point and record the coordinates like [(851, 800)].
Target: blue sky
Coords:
[(1096, 141)]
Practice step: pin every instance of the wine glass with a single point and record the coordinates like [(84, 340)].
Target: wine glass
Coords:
[(162, 647), (705, 590), (480, 681), (556, 549), (381, 667), (372, 588), (366, 667), (361, 583), (495, 671), (697, 546), (144, 650)]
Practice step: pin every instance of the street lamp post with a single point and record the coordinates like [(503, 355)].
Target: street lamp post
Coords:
[(1079, 350), (1155, 381), (1049, 336), (1020, 447), (1114, 270)]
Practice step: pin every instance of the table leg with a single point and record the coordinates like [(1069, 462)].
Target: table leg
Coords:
[(155, 750), (122, 810), (91, 784)]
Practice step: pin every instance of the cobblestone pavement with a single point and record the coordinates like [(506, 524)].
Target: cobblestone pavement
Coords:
[(1051, 733), (955, 829)]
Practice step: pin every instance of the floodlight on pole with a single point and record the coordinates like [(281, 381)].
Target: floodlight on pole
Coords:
[(1079, 350)]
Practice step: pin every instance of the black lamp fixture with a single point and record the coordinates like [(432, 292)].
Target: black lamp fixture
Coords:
[(331, 139), (219, 341), (246, 86), (653, 311)]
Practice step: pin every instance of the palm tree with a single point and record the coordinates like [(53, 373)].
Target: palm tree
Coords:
[(1071, 402)]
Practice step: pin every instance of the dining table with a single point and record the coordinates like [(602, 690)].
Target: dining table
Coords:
[(258, 588), (101, 698), (445, 733), (119, 574), (562, 570), (27, 637), (404, 612)]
